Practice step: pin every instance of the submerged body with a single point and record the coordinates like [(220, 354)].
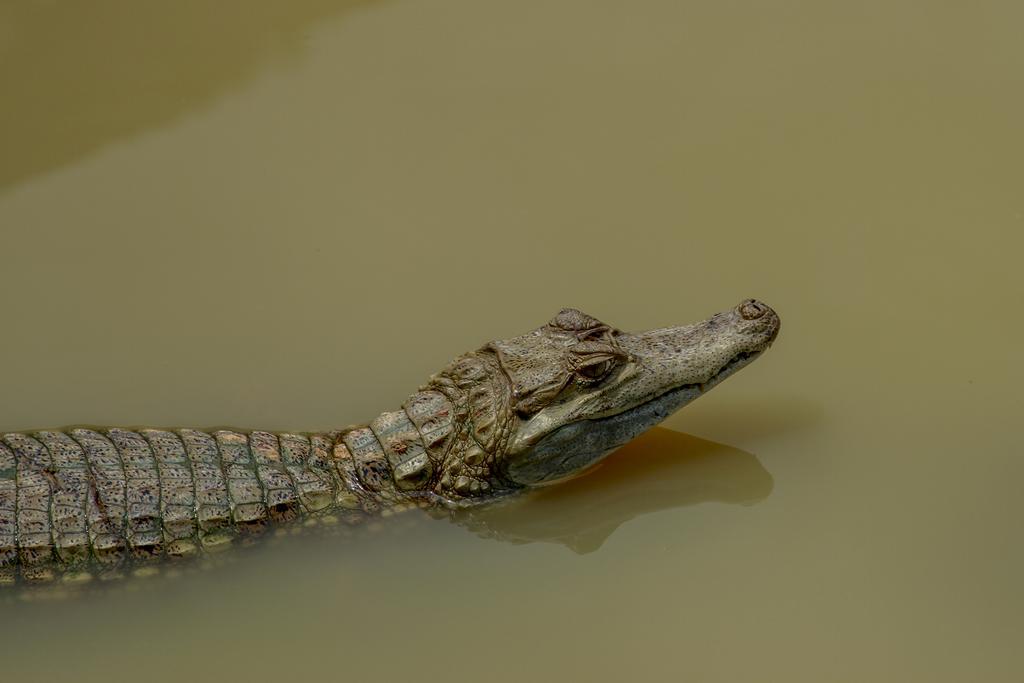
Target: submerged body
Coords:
[(516, 413)]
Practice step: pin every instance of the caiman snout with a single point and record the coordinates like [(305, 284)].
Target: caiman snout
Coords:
[(752, 309), (767, 321)]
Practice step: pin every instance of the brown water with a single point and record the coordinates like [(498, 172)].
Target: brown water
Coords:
[(234, 213)]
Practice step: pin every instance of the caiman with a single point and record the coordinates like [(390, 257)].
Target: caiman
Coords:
[(516, 413)]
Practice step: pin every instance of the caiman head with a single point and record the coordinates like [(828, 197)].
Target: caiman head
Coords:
[(546, 405)]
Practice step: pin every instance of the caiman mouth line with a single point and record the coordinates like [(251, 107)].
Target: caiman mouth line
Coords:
[(735, 363)]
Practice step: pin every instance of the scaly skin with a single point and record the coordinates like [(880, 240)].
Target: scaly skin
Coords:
[(515, 413)]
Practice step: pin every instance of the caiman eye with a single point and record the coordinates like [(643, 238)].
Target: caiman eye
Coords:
[(595, 371)]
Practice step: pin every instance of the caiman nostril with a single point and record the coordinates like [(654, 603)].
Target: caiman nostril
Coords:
[(752, 309)]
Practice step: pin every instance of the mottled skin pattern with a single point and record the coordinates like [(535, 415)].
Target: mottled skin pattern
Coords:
[(81, 503)]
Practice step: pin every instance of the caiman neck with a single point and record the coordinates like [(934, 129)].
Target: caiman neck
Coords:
[(444, 441)]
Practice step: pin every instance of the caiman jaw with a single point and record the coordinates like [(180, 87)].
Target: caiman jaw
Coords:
[(665, 369), (547, 404)]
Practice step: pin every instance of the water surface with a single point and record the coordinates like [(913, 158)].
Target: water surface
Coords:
[(288, 218)]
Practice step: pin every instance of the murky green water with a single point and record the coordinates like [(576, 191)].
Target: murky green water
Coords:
[(237, 213)]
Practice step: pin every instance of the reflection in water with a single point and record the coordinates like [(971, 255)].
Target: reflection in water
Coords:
[(120, 68), (660, 470), (753, 418)]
